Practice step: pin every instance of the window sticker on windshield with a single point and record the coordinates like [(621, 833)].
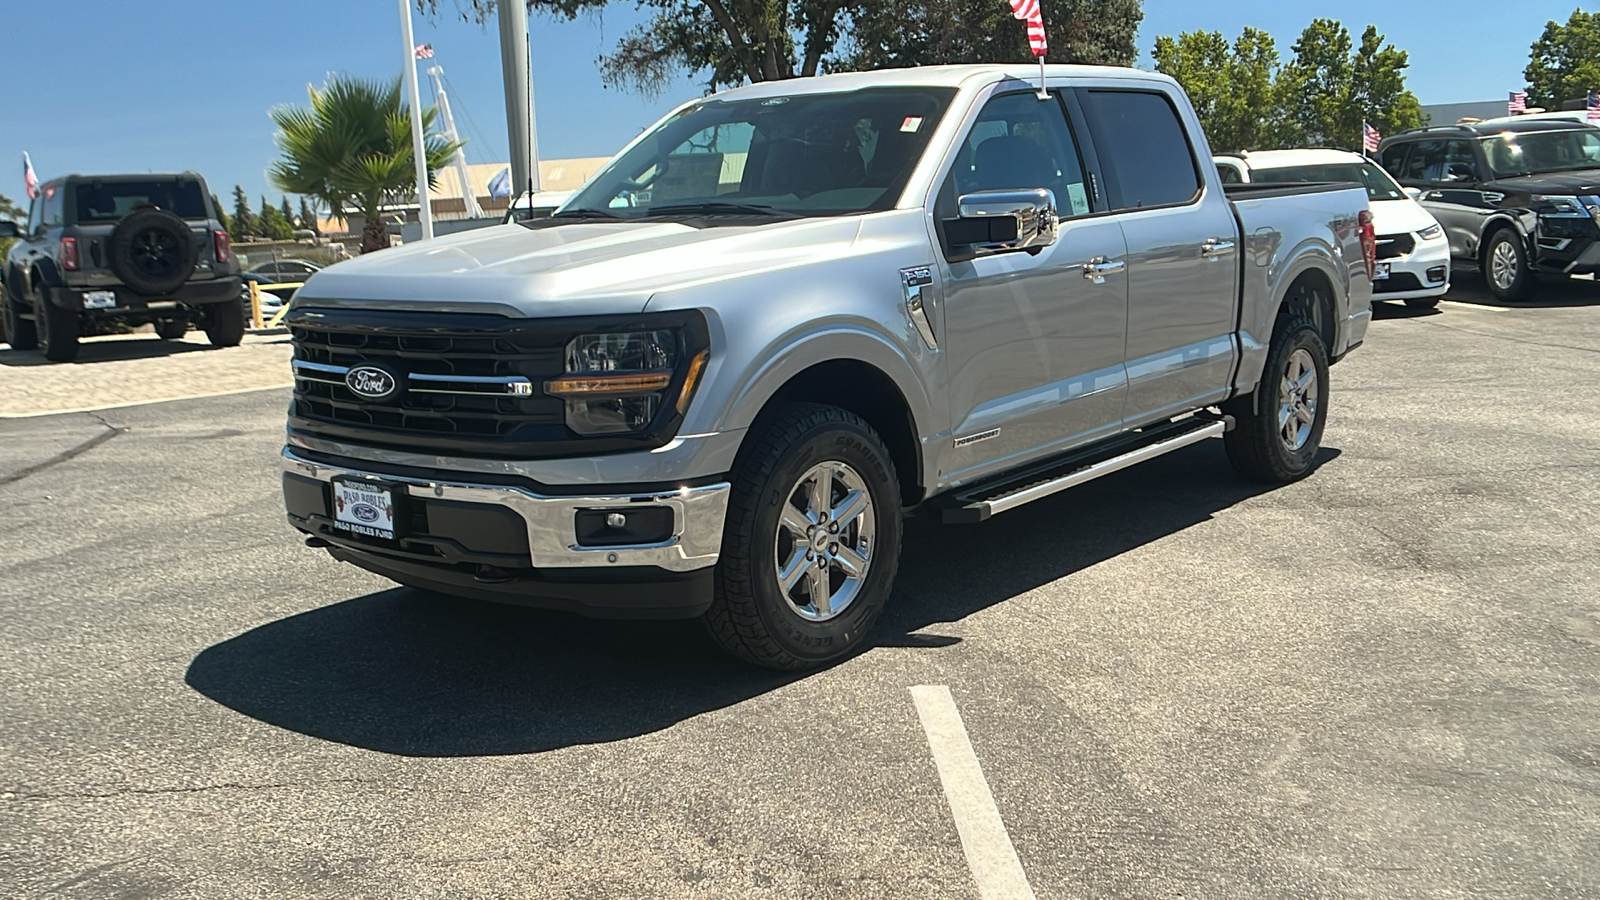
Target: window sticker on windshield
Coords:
[(911, 124), (1078, 199)]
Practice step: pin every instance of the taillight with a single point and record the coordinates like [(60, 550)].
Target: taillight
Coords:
[(69, 254), (224, 249), (1369, 243)]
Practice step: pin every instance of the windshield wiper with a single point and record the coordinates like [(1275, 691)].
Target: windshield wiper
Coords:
[(717, 208), (583, 214)]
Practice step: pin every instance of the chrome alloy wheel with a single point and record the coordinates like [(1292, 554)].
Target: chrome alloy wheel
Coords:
[(1297, 400), (825, 540), (1503, 265)]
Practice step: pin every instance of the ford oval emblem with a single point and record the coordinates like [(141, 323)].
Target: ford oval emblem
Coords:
[(370, 382), (364, 512)]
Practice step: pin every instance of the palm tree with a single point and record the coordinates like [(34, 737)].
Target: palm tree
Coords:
[(351, 150)]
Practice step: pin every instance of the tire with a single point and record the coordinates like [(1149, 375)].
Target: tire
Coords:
[(1505, 266), (1258, 446), (172, 329), (152, 251), (1423, 303), (752, 617), (225, 324), (20, 332), (57, 328)]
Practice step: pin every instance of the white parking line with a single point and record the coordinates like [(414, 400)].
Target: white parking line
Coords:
[(990, 856), (1461, 304)]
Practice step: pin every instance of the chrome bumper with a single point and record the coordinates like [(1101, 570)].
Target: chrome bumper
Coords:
[(698, 515)]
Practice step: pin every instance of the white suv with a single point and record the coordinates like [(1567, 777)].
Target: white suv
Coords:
[(1413, 253)]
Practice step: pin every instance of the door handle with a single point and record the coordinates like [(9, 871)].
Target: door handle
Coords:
[(1098, 268), (1216, 247), (1433, 195)]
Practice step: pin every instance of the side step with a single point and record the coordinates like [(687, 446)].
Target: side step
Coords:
[(979, 502)]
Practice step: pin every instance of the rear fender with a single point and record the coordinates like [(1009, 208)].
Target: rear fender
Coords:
[(1276, 283)]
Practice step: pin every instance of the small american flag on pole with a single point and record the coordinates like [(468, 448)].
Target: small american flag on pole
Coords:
[(424, 51), (1370, 138), (29, 179), (1518, 104), (1028, 11), (1594, 106)]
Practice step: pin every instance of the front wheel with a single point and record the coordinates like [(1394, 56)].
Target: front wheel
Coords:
[(225, 324), (811, 543), (1505, 266), (20, 332), (1278, 429), (172, 329)]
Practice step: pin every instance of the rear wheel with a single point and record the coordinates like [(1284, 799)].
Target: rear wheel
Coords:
[(225, 324), (57, 328), (172, 329), (19, 331), (1278, 429), (811, 543)]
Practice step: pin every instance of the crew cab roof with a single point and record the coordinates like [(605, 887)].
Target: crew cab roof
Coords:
[(929, 76)]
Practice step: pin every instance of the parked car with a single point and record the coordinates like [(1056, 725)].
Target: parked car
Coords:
[(1517, 197), (1413, 255), (135, 249), (912, 289), (278, 271)]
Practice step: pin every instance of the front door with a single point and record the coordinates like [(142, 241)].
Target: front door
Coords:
[(1447, 173), (1035, 341)]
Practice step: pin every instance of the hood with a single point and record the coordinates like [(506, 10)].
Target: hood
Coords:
[(1399, 216), (1579, 181), (585, 268)]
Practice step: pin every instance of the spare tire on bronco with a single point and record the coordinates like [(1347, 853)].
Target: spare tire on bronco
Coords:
[(152, 251)]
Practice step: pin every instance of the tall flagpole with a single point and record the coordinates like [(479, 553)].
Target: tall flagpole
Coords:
[(418, 142)]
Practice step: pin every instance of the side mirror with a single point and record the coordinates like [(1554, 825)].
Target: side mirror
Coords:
[(1414, 193), (9, 230), (990, 222)]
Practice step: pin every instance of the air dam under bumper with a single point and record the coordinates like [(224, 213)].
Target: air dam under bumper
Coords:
[(512, 545)]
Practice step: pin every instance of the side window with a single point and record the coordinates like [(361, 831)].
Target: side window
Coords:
[(1393, 159), (1142, 144), (54, 205), (1020, 142), (1460, 165), (1441, 162), (1229, 174)]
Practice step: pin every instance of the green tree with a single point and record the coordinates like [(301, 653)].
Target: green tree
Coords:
[(222, 214), (288, 212), (1333, 86), (1234, 87), (272, 224), (244, 221), (11, 212), (351, 149), (1564, 63), (930, 32), (308, 219), (730, 42)]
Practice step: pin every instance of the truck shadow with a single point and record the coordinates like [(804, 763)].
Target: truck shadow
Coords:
[(94, 350), (409, 673)]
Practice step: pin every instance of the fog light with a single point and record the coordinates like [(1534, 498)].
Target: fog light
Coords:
[(1436, 274), (623, 527)]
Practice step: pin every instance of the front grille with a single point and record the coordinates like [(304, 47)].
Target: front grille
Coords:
[(468, 383), (1394, 246)]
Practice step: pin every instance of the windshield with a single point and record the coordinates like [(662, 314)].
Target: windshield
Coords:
[(810, 155), (1378, 183), (1539, 152), (109, 201)]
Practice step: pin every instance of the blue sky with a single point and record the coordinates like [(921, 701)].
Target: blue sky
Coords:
[(112, 85)]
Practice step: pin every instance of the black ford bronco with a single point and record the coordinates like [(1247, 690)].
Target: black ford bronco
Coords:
[(136, 249)]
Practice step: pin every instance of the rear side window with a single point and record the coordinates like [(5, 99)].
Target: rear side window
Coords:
[(1143, 148), (109, 201)]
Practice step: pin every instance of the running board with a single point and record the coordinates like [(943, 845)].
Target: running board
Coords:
[(979, 503)]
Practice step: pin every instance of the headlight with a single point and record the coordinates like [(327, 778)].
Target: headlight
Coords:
[(1431, 232), (1559, 206), (617, 383)]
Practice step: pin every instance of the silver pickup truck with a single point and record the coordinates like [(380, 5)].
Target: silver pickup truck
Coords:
[(718, 378)]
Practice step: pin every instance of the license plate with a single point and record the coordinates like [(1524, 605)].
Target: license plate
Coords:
[(99, 299), (1380, 272), (364, 507)]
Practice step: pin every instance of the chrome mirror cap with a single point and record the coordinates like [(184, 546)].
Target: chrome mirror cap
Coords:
[(1034, 212)]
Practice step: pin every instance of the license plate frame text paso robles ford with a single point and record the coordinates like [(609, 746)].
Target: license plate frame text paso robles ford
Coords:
[(365, 507)]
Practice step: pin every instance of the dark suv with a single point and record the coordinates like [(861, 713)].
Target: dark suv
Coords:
[(1516, 197), (137, 249)]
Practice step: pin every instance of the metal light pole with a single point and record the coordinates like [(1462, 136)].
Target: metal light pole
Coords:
[(459, 159), (513, 15), (418, 144)]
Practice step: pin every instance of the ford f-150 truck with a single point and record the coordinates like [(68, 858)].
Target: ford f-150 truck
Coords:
[(715, 381)]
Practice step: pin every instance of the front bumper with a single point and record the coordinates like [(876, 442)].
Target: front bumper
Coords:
[(1424, 272), (510, 543)]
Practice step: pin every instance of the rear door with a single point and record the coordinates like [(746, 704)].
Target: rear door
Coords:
[(1033, 341), (1182, 250)]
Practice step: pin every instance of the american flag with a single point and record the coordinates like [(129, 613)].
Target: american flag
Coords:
[(1370, 138), (1028, 11), (1594, 106), (29, 179), (424, 51), (1519, 103)]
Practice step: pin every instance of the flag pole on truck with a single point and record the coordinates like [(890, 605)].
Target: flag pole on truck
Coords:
[(1028, 11)]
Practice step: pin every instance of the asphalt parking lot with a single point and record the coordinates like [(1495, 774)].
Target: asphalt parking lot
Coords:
[(1382, 681)]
